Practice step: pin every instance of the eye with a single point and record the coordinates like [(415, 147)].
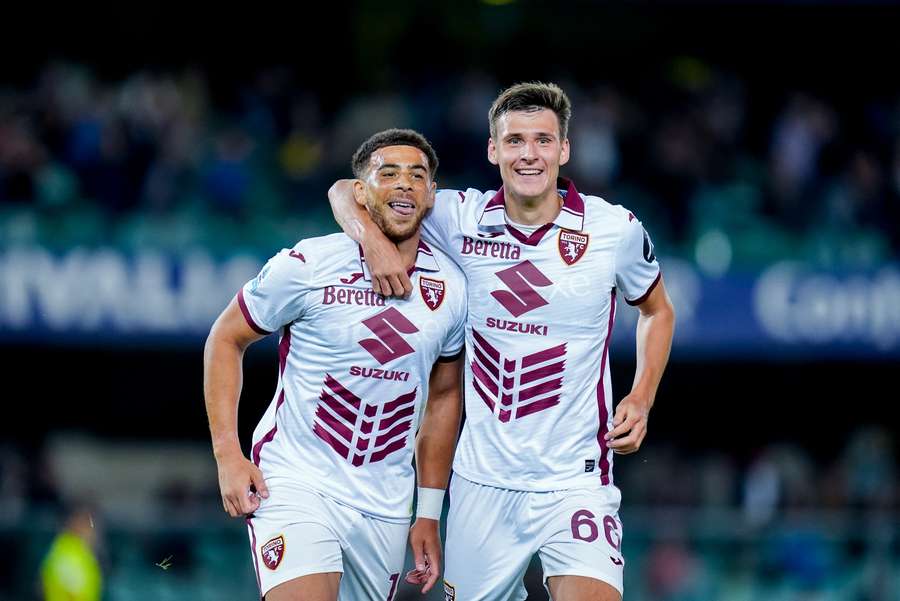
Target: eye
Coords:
[(387, 174), (545, 140), (514, 140), (418, 176)]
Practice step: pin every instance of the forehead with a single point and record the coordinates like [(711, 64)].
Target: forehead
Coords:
[(398, 155), (523, 122)]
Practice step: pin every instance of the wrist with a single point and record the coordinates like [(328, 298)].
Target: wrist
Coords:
[(226, 447), (429, 503)]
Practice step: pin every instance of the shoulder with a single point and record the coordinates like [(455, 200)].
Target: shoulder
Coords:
[(468, 200), (323, 250), (448, 267), (602, 216)]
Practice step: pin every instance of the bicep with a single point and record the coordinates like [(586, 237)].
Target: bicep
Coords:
[(446, 378)]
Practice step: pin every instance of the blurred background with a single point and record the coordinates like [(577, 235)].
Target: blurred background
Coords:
[(153, 157)]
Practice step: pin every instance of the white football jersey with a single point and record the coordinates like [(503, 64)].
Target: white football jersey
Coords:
[(353, 369), (541, 311)]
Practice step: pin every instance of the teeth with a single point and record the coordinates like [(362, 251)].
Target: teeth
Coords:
[(400, 204), (529, 171)]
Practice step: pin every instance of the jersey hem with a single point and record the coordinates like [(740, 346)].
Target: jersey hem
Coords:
[(594, 484)]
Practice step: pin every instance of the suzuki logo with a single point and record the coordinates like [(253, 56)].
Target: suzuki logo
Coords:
[(389, 345), (520, 279)]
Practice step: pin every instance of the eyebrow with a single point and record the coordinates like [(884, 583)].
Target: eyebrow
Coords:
[(539, 134), (397, 166)]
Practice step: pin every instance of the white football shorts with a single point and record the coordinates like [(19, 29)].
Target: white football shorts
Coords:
[(298, 531), (492, 533)]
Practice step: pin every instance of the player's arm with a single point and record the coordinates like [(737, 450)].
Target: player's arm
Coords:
[(222, 377), (388, 269), (435, 444), (655, 327)]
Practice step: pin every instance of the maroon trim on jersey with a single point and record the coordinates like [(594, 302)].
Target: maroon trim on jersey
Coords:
[(255, 558), (284, 347), (535, 236), (453, 357), (249, 318), (601, 395), (570, 217), (645, 295), (425, 261)]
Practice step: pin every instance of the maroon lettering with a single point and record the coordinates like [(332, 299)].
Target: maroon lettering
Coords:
[(610, 527), (484, 248), (580, 518), (350, 296)]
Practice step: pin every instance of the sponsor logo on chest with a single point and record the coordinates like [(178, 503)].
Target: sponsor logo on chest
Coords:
[(490, 248)]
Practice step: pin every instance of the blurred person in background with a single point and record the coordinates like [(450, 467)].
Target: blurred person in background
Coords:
[(534, 464), (70, 570), (328, 492)]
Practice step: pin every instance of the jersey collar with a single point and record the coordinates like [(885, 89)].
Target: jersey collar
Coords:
[(425, 261), (571, 216)]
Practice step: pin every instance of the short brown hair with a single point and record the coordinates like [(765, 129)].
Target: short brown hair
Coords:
[(532, 96), (392, 137)]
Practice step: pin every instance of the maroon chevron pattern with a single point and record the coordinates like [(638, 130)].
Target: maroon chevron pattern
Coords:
[(515, 387), (360, 432)]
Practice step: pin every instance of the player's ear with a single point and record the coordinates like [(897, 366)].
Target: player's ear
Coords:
[(564, 152), (429, 198), (359, 192), (492, 151)]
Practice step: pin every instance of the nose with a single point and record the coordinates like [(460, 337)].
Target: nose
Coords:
[(529, 151), (404, 181)]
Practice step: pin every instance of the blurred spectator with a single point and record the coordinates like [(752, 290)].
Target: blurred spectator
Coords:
[(70, 570)]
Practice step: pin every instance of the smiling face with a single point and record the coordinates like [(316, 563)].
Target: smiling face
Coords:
[(397, 190), (529, 150)]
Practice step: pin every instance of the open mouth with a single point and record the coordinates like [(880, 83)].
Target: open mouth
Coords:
[(402, 207), (529, 172)]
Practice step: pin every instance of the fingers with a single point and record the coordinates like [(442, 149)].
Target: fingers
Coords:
[(433, 563), (631, 442), (624, 426), (259, 483), (406, 283), (379, 284), (396, 287), (230, 508)]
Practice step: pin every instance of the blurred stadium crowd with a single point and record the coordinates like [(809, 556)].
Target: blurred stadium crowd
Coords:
[(173, 160), (778, 524), (724, 175)]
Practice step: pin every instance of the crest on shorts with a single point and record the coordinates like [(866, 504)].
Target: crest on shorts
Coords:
[(432, 292), (449, 592), (572, 246), (273, 552)]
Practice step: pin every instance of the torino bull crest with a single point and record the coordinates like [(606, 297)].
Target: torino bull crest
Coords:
[(572, 246)]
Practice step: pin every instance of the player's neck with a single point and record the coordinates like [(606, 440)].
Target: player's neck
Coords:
[(409, 250), (535, 210)]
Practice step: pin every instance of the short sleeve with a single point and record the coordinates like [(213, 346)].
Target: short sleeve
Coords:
[(277, 295), (444, 218), (454, 343), (637, 270)]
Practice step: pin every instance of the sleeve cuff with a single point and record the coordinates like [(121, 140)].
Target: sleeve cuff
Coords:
[(246, 312), (453, 357), (646, 294)]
